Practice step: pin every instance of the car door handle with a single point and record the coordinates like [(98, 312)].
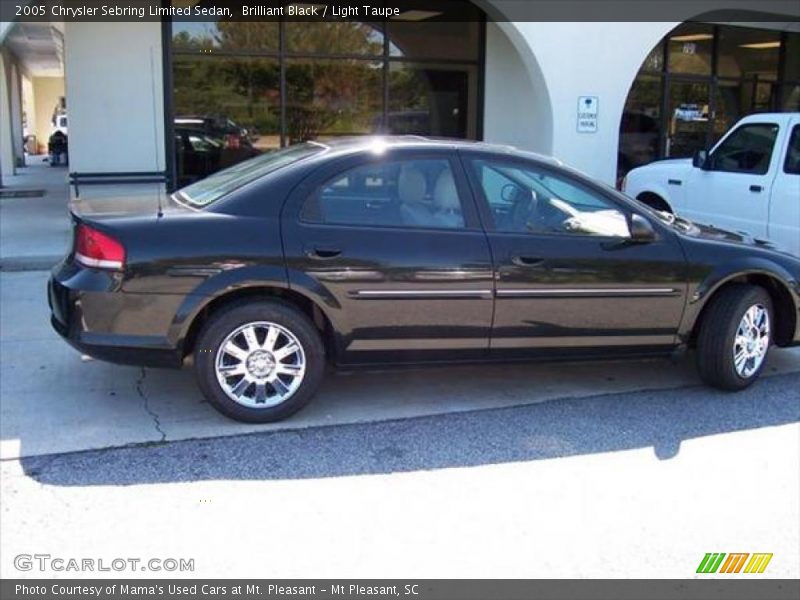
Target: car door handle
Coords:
[(323, 252), (756, 188), (527, 261)]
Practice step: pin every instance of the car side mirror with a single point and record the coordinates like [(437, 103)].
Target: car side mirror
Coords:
[(642, 230), (701, 160)]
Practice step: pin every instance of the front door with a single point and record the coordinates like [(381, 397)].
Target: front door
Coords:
[(394, 247), (568, 277), (734, 191)]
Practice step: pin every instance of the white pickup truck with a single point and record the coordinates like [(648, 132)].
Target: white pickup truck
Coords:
[(749, 181)]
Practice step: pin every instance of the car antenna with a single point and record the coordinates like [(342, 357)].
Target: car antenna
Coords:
[(160, 212), (160, 209)]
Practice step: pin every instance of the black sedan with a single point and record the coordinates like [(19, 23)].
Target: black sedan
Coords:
[(407, 250)]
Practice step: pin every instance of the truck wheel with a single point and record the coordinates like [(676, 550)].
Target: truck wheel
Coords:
[(655, 202), (735, 337), (259, 361)]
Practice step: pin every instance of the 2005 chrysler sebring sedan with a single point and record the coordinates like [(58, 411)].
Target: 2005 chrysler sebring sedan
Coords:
[(409, 250)]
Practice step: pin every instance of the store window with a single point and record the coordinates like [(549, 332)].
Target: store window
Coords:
[(241, 88), (690, 49), (640, 130), (688, 110), (698, 82), (332, 98)]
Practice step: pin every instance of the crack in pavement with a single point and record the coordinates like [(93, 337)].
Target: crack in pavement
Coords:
[(150, 411)]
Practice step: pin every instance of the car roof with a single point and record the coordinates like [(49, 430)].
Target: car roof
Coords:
[(783, 117), (358, 144)]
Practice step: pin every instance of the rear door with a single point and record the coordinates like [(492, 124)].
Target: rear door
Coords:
[(394, 246), (568, 278)]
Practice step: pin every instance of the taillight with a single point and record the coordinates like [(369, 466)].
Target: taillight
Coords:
[(98, 250), (232, 141)]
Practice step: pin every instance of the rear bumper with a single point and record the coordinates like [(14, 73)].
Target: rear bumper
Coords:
[(95, 318)]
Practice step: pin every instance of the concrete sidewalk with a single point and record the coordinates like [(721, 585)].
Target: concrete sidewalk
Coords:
[(34, 231), (52, 401)]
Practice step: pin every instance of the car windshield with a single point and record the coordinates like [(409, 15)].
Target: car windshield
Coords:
[(202, 193)]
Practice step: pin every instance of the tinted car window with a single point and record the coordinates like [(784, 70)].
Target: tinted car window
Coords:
[(747, 150), (411, 193), (792, 164), (525, 199), (221, 183)]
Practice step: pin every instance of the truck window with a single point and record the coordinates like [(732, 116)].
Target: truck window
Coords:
[(747, 150), (792, 164)]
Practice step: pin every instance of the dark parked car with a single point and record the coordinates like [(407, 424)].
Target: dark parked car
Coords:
[(205, 145), (407, 250)]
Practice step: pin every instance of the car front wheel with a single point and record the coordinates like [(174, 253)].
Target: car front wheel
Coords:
[(735, 337), (260, 361)]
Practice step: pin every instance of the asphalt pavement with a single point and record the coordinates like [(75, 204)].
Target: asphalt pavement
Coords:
[(638, 484)]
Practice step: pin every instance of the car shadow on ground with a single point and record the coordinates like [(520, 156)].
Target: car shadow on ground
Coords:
[(662, 420)]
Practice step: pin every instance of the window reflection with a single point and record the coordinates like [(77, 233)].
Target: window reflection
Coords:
[(434, 40), (362, 39), (688, 113), (427, 99), (790, 97), (748, 53), (441, 30), (225, 111), (641, 124), (332, 98), (257, 86), (791, 57), (690, 47), (225, 36)]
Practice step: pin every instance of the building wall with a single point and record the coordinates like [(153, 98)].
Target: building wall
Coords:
[(115, 96), (7, 161), (516, 103), (46, 92), (536, 72), (16, 115), (28, 106)]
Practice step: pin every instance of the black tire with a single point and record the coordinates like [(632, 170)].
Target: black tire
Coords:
[(228, 320), (715, 343)]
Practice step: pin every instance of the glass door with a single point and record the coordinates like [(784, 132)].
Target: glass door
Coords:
[(688, 116)]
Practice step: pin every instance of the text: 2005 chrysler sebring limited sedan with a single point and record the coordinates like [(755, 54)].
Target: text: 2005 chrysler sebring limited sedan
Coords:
[(407, 250)]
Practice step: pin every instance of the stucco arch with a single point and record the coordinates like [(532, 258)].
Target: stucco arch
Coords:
[(517, 104)]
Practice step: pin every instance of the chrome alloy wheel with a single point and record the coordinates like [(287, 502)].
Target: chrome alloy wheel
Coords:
[(260, 365), (752, 341)]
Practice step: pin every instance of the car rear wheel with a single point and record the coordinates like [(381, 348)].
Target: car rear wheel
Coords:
[(735, 337), (259, 362)]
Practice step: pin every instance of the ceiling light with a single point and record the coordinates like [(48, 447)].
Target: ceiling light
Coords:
[(761, 45), (694, 37), (416, 15)]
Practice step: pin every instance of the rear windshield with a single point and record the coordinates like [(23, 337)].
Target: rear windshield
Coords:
[(212, 188)]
